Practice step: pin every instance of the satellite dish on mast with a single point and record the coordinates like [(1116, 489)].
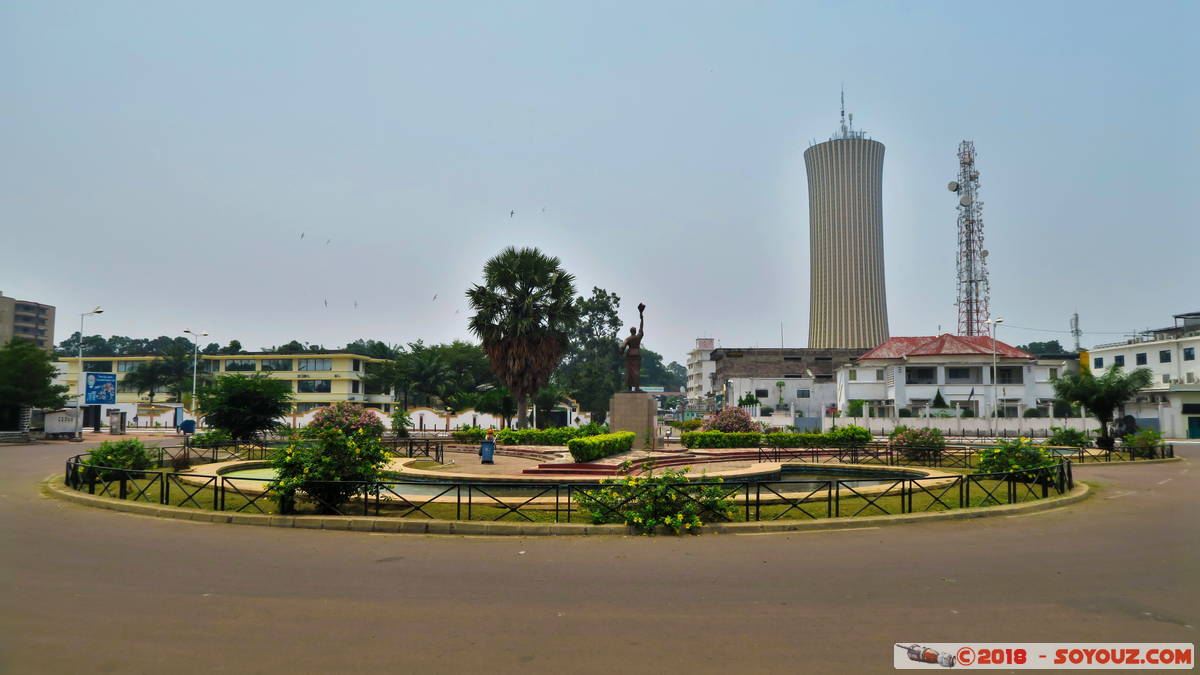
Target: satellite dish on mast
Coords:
[(966, 200), (952, 186)]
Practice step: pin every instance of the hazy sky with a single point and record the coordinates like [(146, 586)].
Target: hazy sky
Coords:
[(162, 159)]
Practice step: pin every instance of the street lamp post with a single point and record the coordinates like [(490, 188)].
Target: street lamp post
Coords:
[(995, 400), (82, 390), (195, 359)]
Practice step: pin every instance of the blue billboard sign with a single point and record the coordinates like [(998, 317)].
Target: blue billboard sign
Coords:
[(100, 389)]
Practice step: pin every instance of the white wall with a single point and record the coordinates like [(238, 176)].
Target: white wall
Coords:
[(969, 425)]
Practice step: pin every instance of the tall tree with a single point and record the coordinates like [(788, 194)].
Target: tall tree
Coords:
[(524, 313), (26, 379), (591, 371), (246, 406), (1041, 348), (234, 347), (1102, 395)]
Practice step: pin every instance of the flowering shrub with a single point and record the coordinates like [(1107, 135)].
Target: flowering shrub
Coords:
[(849, 436), (324, 463), (731, 420), (1065, 436), (1019, 455), (401, 422), (348, 417), (917, 444), (210, 439), (647, 502), (1144, 443)]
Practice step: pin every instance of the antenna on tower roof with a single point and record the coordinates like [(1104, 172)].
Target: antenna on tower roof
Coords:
[(843, 110)]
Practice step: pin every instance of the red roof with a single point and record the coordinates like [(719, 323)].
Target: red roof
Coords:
[(943, 345)]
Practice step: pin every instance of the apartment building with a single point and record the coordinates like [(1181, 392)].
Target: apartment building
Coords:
[(26, 319)]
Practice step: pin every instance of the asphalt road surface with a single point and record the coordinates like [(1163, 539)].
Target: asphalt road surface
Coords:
[(89, 590)]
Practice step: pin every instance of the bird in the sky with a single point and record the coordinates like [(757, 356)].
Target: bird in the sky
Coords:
[(355, 304), (327, 303), (301, 235), (327, 241), (434, 297), (543, 209), (512, 213)]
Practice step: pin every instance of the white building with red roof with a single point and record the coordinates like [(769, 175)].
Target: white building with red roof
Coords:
[(910, 372)]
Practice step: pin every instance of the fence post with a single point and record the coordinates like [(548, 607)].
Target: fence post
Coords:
[(837, 497), (122, 485), (747, 502)]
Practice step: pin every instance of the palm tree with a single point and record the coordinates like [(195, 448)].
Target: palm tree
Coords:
[(176, 364), (1102, 395), (148, 378), (524, 312), (428, 374)]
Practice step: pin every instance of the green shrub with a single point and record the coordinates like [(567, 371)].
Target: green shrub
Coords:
[(966, 412), (692, 424), (1068, 437), (587, 448), (766, 410), (469, 434), (1033, 412), (1145, 443), (668, 500), (246, 406), (794, 440), (323, 462), (917, 444), (128, 454), (904, 412), (1017, 455), (210, 439), (719, 439), (855, 409), (849, 436), (401, 422)]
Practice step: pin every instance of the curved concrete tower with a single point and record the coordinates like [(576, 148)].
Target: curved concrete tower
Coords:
[(848, 305)]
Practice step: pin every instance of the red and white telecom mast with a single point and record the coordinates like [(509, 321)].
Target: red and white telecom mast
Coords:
[(973, 287)]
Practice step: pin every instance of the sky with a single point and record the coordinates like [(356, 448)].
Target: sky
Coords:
[(231, 167)]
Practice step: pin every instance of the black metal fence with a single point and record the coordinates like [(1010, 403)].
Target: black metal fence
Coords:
[(748, 500), (948, 457)]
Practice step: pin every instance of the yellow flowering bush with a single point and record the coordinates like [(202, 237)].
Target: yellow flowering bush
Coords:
[(647, 502), (1019, 455), (327, 464)]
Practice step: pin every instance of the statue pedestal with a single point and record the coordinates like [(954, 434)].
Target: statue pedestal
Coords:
[(634, 411)]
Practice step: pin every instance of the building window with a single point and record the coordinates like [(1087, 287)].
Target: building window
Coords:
[(963, 375), (356, 365), (1119, 360), (1191, 377), (879, 375), (302, 408), (803, 393), (354, 386), (1098, 362), (314, 364), (1054, 373), (1189, 353), (240, 365), (1140, 358), (1009, 375), (282, 365), (314, 386), (914, 375), (128, 366), (1166, 379), (853, 374), (761, 393), (97, 366), (1164, 356)]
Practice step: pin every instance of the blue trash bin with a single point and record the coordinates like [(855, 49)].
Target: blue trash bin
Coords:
[(487, 450)]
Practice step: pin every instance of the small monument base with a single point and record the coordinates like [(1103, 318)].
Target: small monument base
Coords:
[(634, 411)]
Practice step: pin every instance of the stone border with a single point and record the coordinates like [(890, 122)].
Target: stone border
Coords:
[(54, 487)]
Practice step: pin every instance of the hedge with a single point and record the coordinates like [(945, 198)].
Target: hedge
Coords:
[(794, 440), (720, 439), (552, 436), (587, 448)]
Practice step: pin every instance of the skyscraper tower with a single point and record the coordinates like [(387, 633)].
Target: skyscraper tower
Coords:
[(848, 304)]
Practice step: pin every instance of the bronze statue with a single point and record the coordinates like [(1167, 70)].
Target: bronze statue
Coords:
[(633, 352)]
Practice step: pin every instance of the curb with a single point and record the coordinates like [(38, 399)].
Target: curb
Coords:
[(1125, 462), (53, 486)]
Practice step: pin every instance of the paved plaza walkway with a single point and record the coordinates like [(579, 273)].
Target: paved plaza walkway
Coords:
[(89, 590)]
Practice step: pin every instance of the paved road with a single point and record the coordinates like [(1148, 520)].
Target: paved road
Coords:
[(99, 591)]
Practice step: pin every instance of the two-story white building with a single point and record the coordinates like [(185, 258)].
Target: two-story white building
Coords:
[(1172, 402), (908, 373)]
